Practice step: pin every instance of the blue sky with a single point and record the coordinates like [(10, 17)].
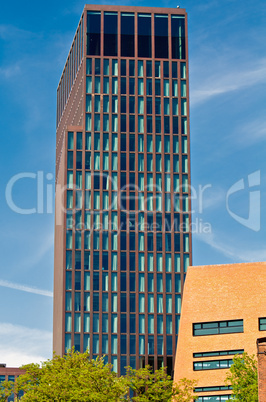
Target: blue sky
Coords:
[(228, 148)]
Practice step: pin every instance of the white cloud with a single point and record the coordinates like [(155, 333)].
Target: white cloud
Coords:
[(22, 345), (24, 288), (220, 83)]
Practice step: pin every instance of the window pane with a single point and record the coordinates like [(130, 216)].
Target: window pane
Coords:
[(144, 35), (110, 34), (127, 35), (178, 37), (93, 32), (161, 36)]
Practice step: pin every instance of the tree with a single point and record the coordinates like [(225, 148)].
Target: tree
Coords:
[(158, 386), (183, 391), (243, 377), (6, 389), (73, 377)]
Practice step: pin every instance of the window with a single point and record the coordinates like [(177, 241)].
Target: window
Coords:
[(110, 34), (105, 344), (70, 140), (161, 36), (166, 69), (106, 66), (123, 67), (157, 87), (262, 324), (160, 330), (212, 365), (169, 345), (144, 35), (114, 67), (123, 84), (127, 35), (216, 398), (132, 68), (97, 85), (219, 353), (211, 389), (140, 68), (178, 37), (88, 141), (218, 328), (93, 32), (149, 105)]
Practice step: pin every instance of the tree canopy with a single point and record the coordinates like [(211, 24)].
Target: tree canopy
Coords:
[(243, 377), (158, 386), (73, 377), (76, 377)]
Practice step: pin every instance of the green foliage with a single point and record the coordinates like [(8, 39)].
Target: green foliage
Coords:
[(243, 377), (158, 386), (74, 377), (183, 391), (149, 386), (6, 390)]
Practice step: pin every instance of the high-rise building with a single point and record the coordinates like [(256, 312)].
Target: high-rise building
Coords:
[(122, 229)]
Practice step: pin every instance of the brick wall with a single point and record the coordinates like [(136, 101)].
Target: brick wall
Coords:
[(217, 293)]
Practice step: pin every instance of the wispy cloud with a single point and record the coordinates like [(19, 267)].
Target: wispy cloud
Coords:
[(22, 345), (221, 83), (251, 133), (206, 6), (24, 288), (207, 197), (231, 249), (43, 245), (9, 71), (11, 32)]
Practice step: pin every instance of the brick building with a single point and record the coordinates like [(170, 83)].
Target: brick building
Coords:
[(223, 313), (10, 374)]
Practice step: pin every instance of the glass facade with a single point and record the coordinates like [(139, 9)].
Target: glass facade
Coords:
[(127, 225), (70, 71)]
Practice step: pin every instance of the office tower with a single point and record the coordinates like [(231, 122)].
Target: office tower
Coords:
[(122, 239)]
